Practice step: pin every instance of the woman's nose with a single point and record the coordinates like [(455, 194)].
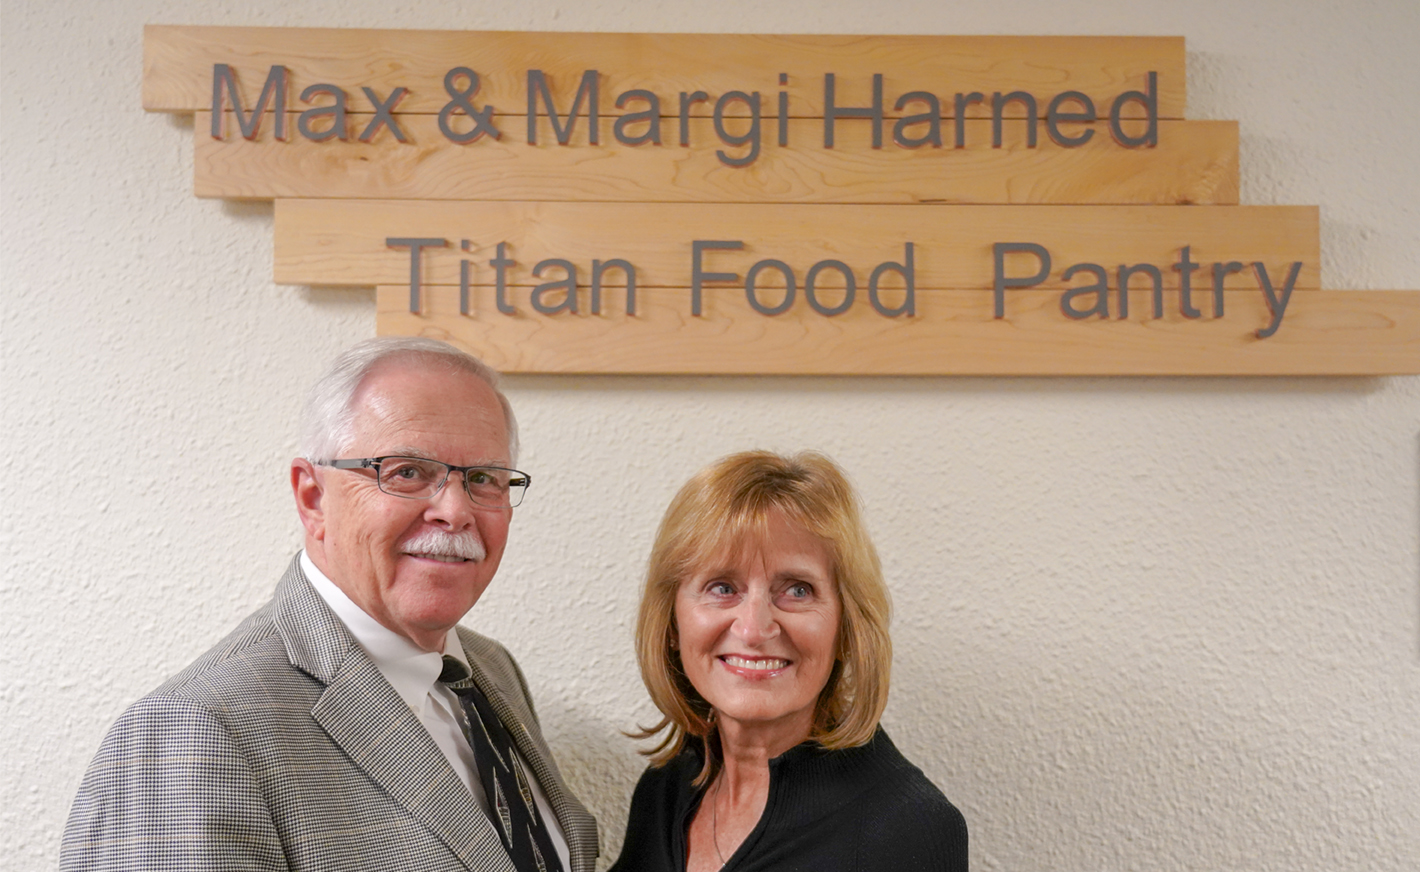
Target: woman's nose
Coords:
[(756, 623)]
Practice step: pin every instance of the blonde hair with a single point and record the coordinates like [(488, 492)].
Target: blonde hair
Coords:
[(721, 507)]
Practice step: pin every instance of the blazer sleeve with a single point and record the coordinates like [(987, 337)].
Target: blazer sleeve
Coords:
[(170, 789)]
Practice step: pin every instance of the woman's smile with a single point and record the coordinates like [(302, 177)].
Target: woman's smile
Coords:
[(760, 666)]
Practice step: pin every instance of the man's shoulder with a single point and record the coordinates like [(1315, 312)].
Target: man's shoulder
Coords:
[(491, 656), (493, 662), (253, 655), (485, 648)]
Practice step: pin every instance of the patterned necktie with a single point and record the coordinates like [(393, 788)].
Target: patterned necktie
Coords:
[(510, 798)]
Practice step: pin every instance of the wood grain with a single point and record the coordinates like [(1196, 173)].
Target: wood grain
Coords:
[(1325, 332), (342, 242), (1195, 162), (177, 65)]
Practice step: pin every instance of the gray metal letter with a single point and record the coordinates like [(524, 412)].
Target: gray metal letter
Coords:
[(850, 287), (500, 264), (789, 288), (599, 269), (651, 116), (1054, 115), (1221, 271), (932, 118), (1277, 305), (1150, 99), (274, 89), (751, 137), (1100, 289), (568, 285), (589, 90), (962, 101), (1186, 268), (686, 101), (698, 277), (383, 114), (998, 109), (999, 252), (1126, 272), (831, 112), (909, 276), (336, 112), (416, 245), (465, 266)]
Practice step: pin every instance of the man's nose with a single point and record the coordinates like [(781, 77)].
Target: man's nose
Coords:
[(756, 623), (452, 505)]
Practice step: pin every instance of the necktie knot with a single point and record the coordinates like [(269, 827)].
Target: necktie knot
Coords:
[(453, 671)]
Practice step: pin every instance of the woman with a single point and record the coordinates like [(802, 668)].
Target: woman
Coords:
[(763, 640)]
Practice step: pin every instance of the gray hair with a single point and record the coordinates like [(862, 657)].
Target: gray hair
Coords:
[(330, 414)]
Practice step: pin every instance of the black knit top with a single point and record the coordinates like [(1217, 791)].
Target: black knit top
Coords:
[(859, 810)]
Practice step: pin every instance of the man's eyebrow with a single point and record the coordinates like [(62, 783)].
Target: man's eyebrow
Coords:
[(426, 455)]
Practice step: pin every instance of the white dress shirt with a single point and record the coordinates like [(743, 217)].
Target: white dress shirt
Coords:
[(414, 675)]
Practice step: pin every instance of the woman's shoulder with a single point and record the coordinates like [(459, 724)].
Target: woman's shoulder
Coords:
[(675, 776), (907, 817), (663, 792), (657, 807), (912, 801)]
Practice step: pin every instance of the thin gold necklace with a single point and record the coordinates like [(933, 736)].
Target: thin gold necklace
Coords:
[(715, 820)]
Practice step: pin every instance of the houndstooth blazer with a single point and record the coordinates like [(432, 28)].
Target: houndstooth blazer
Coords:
[(284, 748)]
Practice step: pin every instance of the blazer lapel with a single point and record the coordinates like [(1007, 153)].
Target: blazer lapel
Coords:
[(364, 716)]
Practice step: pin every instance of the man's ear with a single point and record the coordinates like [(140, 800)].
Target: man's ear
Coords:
[(309, 490)]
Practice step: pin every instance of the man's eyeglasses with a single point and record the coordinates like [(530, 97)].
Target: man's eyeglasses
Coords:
[(418, 478)]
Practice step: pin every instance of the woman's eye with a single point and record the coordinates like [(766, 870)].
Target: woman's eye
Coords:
[(721, 588), (800, 591)]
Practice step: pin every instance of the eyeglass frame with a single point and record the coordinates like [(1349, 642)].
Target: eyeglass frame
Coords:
[(449, 468)]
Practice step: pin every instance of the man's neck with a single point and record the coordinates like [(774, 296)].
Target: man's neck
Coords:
[(314, 558)]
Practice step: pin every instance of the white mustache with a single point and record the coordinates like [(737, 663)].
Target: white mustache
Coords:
[(465, 544)]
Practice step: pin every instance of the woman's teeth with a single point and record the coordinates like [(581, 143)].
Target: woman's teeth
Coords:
[(743, 663)]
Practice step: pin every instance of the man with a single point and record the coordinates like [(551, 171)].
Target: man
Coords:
[(349, 724)]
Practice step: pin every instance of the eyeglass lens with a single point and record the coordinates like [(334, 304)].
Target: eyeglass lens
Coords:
[(418, 478)]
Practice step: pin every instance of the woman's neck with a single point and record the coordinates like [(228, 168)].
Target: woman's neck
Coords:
[(746, 749), (734, 802)]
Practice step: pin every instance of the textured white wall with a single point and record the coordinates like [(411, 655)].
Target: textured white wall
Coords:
[(1145, 624)]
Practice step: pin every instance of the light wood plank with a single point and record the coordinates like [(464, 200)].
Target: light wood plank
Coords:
[(178, 60), (342, 242), (1195, 162), (1324, 333)]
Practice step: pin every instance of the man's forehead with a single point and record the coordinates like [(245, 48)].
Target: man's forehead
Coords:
[(418, 411)]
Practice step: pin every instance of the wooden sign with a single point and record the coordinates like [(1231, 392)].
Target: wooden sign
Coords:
[(685, 203)]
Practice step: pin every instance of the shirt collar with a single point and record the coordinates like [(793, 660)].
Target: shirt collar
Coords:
[(409, 669)]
